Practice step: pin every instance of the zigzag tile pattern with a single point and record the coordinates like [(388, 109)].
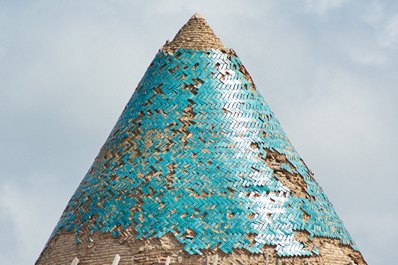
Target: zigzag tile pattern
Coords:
[(190, 155)]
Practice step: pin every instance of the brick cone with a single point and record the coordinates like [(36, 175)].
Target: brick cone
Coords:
[(198, 170)]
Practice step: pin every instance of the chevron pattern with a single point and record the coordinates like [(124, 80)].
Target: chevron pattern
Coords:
[(198, 153)]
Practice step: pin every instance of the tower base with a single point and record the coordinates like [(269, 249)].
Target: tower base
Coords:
[(62, 249)]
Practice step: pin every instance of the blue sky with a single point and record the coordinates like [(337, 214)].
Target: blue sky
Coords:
[(327, 68)]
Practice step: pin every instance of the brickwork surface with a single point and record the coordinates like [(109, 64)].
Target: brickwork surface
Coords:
[(196, 34), (101, 251)]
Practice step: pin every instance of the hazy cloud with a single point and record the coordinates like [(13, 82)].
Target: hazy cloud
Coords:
[(322, 6), (390, 33)]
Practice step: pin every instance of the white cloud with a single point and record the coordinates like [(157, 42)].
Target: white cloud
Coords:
[(322, 6), (384, 20), (368, 58), (30, 209), (389, 37)]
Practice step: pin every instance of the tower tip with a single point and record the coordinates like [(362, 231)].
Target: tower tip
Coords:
[(197, 15), (196, 34)]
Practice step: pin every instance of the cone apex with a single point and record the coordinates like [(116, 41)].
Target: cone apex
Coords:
[(196, 34), (197, 15)]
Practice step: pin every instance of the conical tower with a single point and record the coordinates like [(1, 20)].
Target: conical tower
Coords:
[(198, 171)]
